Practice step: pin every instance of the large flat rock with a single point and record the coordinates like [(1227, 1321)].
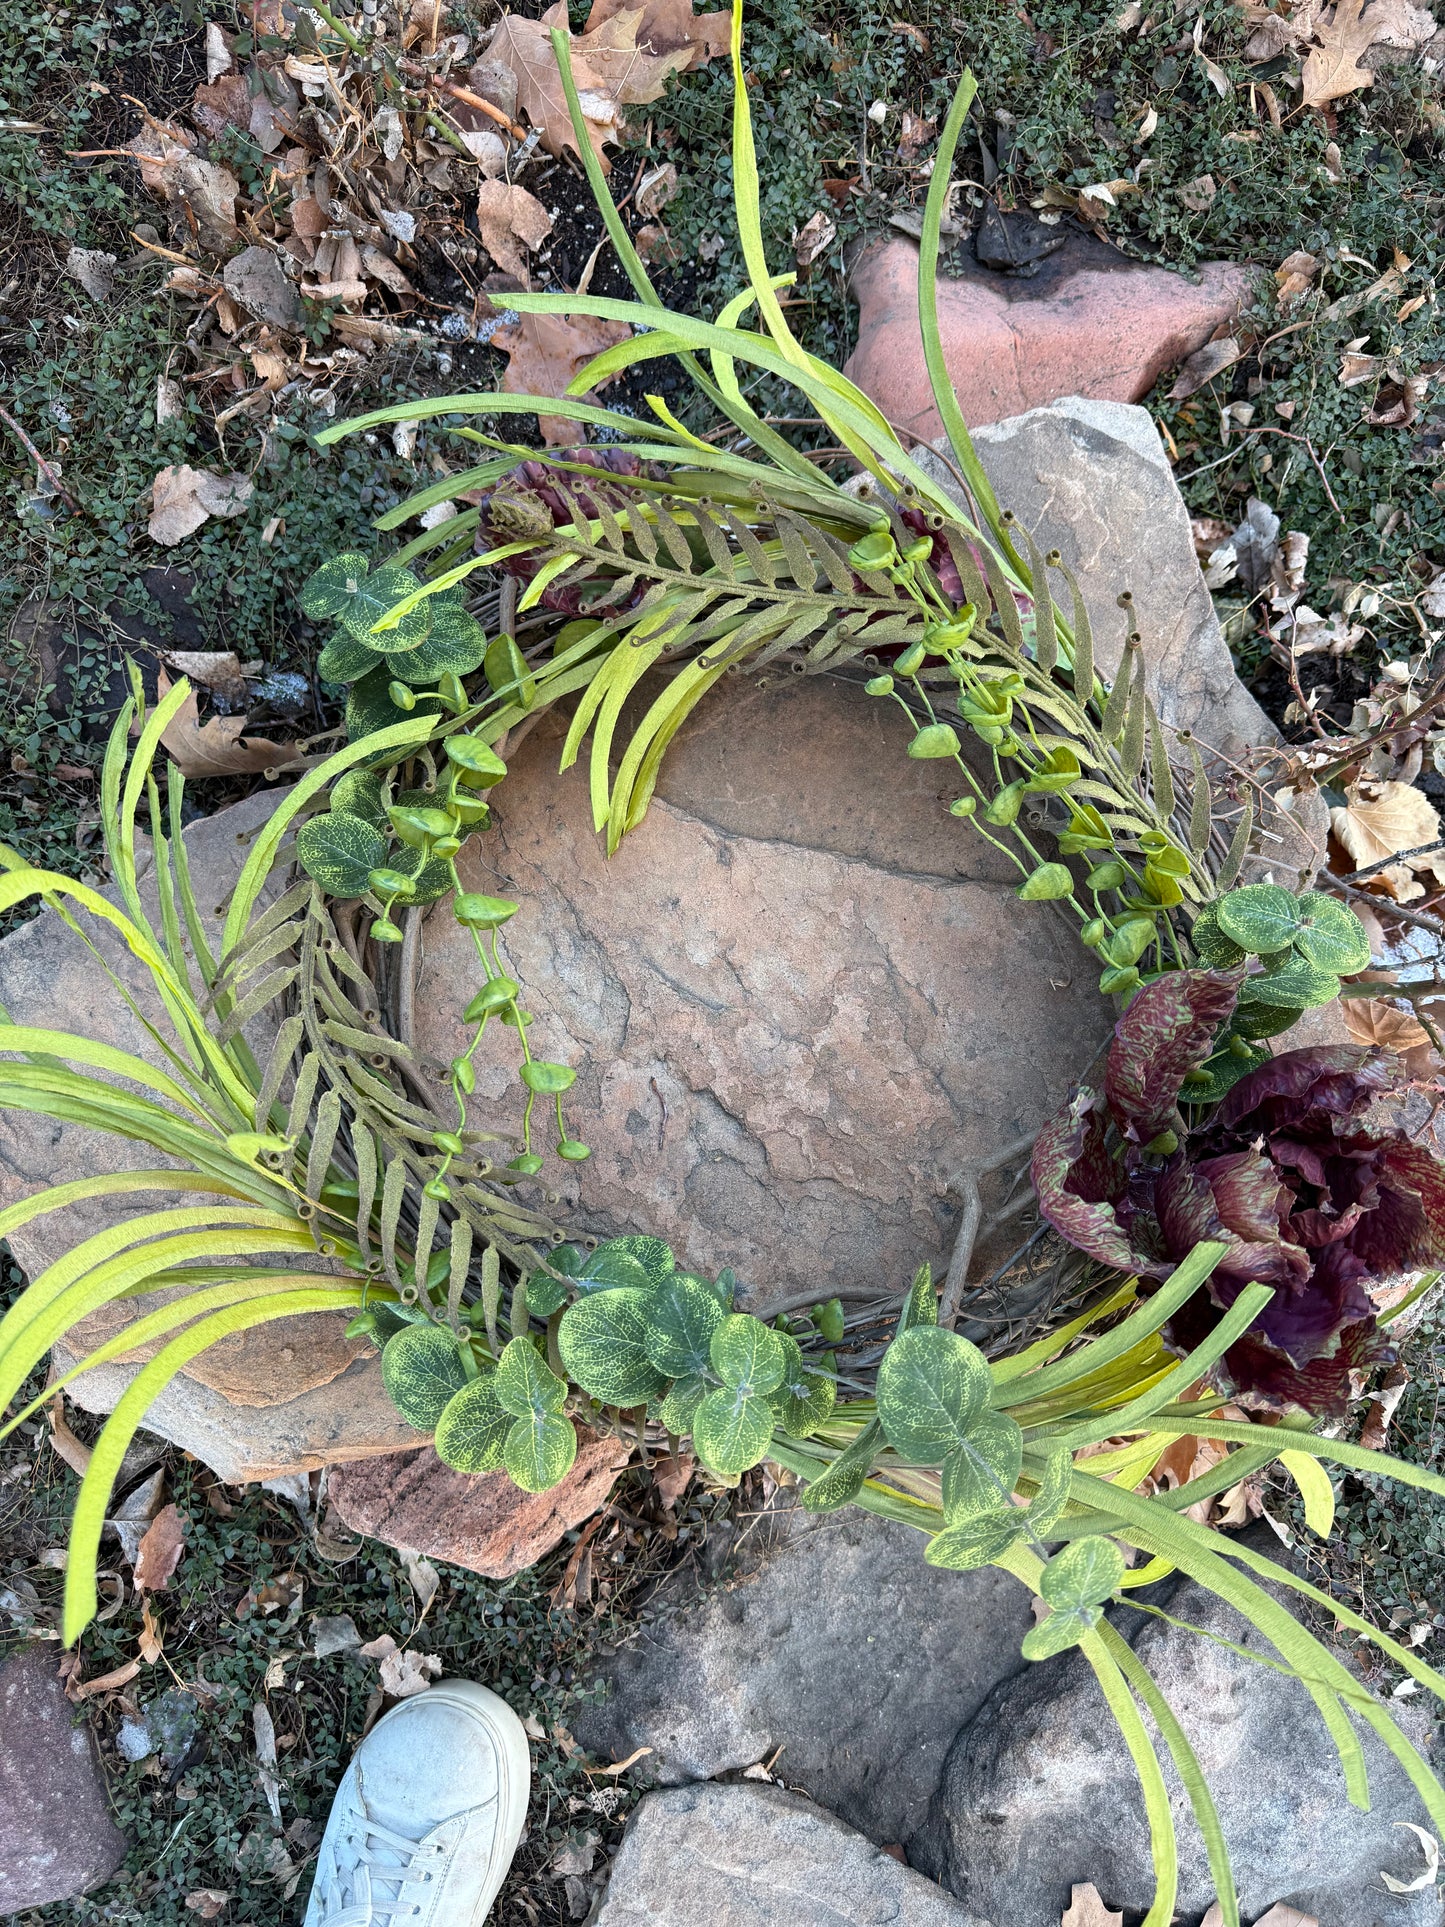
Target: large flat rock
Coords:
[(837, 1644), (57, 1837), (1040, 1793), (754, 1856)]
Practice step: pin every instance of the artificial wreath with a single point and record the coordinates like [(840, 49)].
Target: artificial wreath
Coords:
[(1239, 1210)]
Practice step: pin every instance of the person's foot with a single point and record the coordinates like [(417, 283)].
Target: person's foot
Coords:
[(427, 1816)]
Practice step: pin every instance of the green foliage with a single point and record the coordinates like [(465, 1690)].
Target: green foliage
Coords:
[(421, 1368)]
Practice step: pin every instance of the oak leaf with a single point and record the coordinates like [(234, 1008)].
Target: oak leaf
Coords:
[(1333, 66), (631, 73), (510, 219), (1371, 1020), (1381, 820), (1086, 1909), (525, 48), (222, 746), (670, 26), (160, 1550)]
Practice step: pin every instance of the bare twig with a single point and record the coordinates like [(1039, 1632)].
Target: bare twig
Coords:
[(1400, 856), (1420, 918), (965, 1185), (40, 462)]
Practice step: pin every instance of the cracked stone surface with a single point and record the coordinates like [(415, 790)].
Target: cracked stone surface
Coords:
[(800, 996), (57, 1837), (1089, 322), (756, 1856), (833, 1641)]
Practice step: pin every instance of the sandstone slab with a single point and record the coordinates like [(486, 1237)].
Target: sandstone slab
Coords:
[(57, 1837), (754, 1856), (485, 1524), (1088, 322), (837, 1644), (1040, 1793), (800, 997)]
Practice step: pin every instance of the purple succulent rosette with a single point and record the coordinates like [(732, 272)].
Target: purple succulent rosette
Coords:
[(1306, 1192)]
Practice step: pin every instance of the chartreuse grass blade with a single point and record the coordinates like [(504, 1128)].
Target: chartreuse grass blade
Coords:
[(104, 1185), (93, 1501), (632, 787), (1337, 1451), (1240, 1316), (31, 1040), (1155, 1311), (195, 923), (1186, 1764), (1036, 1355), (1163, 1841)]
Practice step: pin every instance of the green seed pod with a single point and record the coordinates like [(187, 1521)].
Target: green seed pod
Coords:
[(879, 686), (446, 846), (401, 696), (1047, 884), (362, 1326), (452, 694), (934, 740), (829, 1320), (417, 827), (390, 883), (1163, 1146), (1094, 932), (944, 637), (875, 550), (472, 812), (464, 1074), (547, 1079), (919, 549), (963, 806), (480, 912), (1004, 808), (478, 762), (573, 1150), (449, 1142), (911, 661), (1130, 941), (1107, 876), (494, 995), (437, 1188), (508, 674), (1115, 982), (528, 1164), (385, 931)]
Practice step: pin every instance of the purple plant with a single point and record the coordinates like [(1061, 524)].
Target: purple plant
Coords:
[(1308, 1193)]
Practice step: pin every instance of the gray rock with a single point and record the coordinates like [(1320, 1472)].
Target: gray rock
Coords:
[(754, 1856), (1040, 1793), (842, 1647), (256, 281), (57, 1838)]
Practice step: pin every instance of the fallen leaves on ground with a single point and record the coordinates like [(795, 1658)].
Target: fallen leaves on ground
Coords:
[(671, 26), (1293, 276), (407, 1673), (1380, 820), (1430, 1847), (1375, 1431), (544, 352), (1087, 1909), (1371, 1020), (209, 1902), (1203, 365), (509, 220), (814, 237), (183, 498), (1334, 40), (160, 1550), (221, 746)]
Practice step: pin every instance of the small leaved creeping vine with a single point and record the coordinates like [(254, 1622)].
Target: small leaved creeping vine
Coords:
[(1241, 1206)]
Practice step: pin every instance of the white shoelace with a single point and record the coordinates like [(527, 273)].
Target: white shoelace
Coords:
[(379, 1858)]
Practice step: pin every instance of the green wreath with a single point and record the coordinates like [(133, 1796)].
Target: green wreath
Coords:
[(661, 551)]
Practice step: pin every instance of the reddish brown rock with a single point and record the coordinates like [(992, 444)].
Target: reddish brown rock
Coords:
[(485, 1524), (1088, 323)]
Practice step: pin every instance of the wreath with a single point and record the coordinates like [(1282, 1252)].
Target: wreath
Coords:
[(1232, 1210)]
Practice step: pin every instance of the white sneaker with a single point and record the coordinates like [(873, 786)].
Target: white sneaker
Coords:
[(427, 1816)]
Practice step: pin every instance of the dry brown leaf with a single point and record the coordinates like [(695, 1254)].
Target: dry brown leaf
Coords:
[(67, 1445), (218, 670), (219, 747), (814, 237), (1380, 820), (1370, 1020), (152, 1640), (202, 191), (1087, 1909), (78, 1690), (160, 1550), (544, 352), (406, 1673), (208, 1902), (1356, 368), (510, 219), (1294, 274), (658, 186), (1198, 195), (1283, 1915), (182, 498), (673, 1475), (1376, 1429), (1203, 365), (1333, 66), (669, 26), (524, 47), (223, 108), (629, 72)]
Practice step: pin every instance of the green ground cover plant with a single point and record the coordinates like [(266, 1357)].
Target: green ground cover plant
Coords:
[(666, 550)]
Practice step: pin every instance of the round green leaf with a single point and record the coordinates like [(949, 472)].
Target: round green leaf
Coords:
[(369, 706), (525, 1384), (472, 1432), (346, 658), (329, 592), (422, 1371), (1213, 949), (371, 598), (1085, 1573), (1220, 1073), (1330, 936), (731, 1430), (359, 793), (453, 646), (932, 1386), (934, 740), (976, 1542), (1293, 984), (1258, 1021), (545, 1294), (679, 1408), (983, 1468), (652, 1254), (747, 1355), (1260, 917), (603, 1341), (682, 1315), (548, 1080), (1060, 1631), (339, 851), (804, 1399), (1130, 941), (430, 878), (539, 1451)]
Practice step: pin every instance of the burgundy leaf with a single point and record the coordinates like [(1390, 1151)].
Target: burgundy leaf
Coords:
[(1167, 1031), (1077, 1183)]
